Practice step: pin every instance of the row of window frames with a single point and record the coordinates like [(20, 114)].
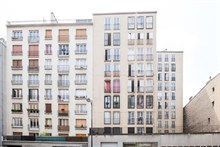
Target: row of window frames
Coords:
[(166, 77), (167, 86), (166, 58), (166, 67), (18, 34), (166, 124)]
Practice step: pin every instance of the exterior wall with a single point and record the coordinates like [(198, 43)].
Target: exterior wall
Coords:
[(201, 114), (99, 76), (72, 116), (180, 140), (175, 103), (2, 57)]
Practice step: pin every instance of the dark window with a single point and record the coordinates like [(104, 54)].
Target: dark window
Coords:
[(116, 130), (107, 130), (149, 130), (130, 130), (107, 102), (116, 101)]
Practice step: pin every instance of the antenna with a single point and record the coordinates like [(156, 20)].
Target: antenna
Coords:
[(53, 18)]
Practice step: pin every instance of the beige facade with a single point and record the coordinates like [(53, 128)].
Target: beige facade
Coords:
[(49, 74), (125, 93), (202, 113)]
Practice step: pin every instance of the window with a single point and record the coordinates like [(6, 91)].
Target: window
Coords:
[(48, 64), (33, 50), (140, 117), (107, 39), (131, 102), (17, 122), (116, 117), (131, 70), (63, 65), (166, 126), (140, 69), (17, 64), (149, 130), (63, 49), (166, 76), (131, 22), (107, 55), (116, 69), (63, 35), (149, 87), (48, 108), (159, 96), (173, 124), (130, 130), (17, 50), (140, 102), (173, 114), (17, 93), (130, 85), (81, 79), (48, 79), (81, 48), (166, 105), (48, 122), (116, 23), (107, 23), (159, 67), (159, 86), (140, 54), (116, 86), (116, 54), (48, 34), (63, 124), (107, 69), (116, 101), (149, 69), (149, 118), (33, 36), (107, 86), (116, 39), (166, 86), (173, 77), (173, 58), (63, 95), (173, 95), (140, 86), (131, 118), (33, 79), (173, 105), (80, 109), (17, 79), (159, 58), (149, 102), (33, 65), (149, 54), (63, 80), (33, 123), (107, 117), (16, 107), (17, 35), (81, 34), (166, 115), (149, 38), (81, 123), (140, 22), (33, 95), (159, 77), (173, 86), (140, 38), (159, 124), (81, 63), (48, 94), (80, 93), (107, 102), (48, 49), (131, 38), (159, 115), (173, 67), (140, 130), (149, 22), (159, 105), (166, 67), (131, 54), (166, 95), (166, 58)]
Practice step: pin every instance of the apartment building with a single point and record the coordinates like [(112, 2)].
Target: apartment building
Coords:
[(2, 62), (49, 74), (202, 113), (129, 97)]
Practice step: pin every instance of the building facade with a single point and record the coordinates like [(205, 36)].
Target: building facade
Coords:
[(202, 113), (49, 74), (126, 92), (2, 81)]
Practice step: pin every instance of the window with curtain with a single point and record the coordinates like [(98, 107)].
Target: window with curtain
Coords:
[(48, 108), (81, 34), (107, 102), (107, 86), (17, 63), (116, 86), (149, 101), (17, 50), (48, 34), (116, 101), (33, 50), (140, 102), (63, 35), (131, 101)]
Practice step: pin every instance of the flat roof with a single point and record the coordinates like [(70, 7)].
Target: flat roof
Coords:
[(121, 13), (169, 51)]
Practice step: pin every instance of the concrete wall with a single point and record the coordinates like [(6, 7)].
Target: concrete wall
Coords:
[(202, 113)]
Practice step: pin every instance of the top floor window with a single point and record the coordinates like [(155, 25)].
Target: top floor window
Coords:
[(149, 22), (116, 23), (17, 35), (116, 39), (173, 58), (48, 34), (81, 34), (81, 48), (63, 35), (33, 36), (107, 39), (140, 22), (131, 22), (107, 23), (17, 50)]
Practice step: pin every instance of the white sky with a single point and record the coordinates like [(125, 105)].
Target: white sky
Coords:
[(192, 26)]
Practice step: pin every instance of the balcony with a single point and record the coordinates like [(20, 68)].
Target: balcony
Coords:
[(16, 53), (16, 82), (48, 82), (149, 41), (33, 82), (47, 67), (33, 112), (33, 69), (116, 73), (63, 128), (48, 126), (63, 38), (80, 112), (16, 67), (140, 41), (63, 83), (81, 127), (33, 54), (107, 73), (17, 96), (33, 128), (63, 98), (80, 37), (15, 38), (80, 82), (80, 51), (16, 111), (33, 98), (131, 41), (149, 57), (80, 67), (80, 97), (63, 68), (63, 113), (63, 53), (33, 39)]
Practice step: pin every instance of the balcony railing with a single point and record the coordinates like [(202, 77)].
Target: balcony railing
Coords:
[(33, 68), (63, 38), (48, 97), (63, 98), (80, 51), (47, 67), (48, 126), (33, 54), (33, 82), (131, 41), (80, 82), (63, 128), (48, 82), (140, 41), (17, 96), (149, 41), (80, 66), (80, 111), (48, 37), (33, 128), (81, 127), (63, 68), (13, 38), (81, 37), (80, 97), (16, 82), (63, 83), (149, 57), (33, 39), (17, 111), (116, 73), (63, 52), (63, 113), (150, 73), (33, 98), (16, 67), (16, 53), (33, 112)]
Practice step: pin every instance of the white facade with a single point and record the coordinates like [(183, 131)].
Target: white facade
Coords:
[(49, 74)]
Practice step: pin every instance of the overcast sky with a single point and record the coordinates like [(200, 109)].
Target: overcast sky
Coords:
[(192, 26)]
